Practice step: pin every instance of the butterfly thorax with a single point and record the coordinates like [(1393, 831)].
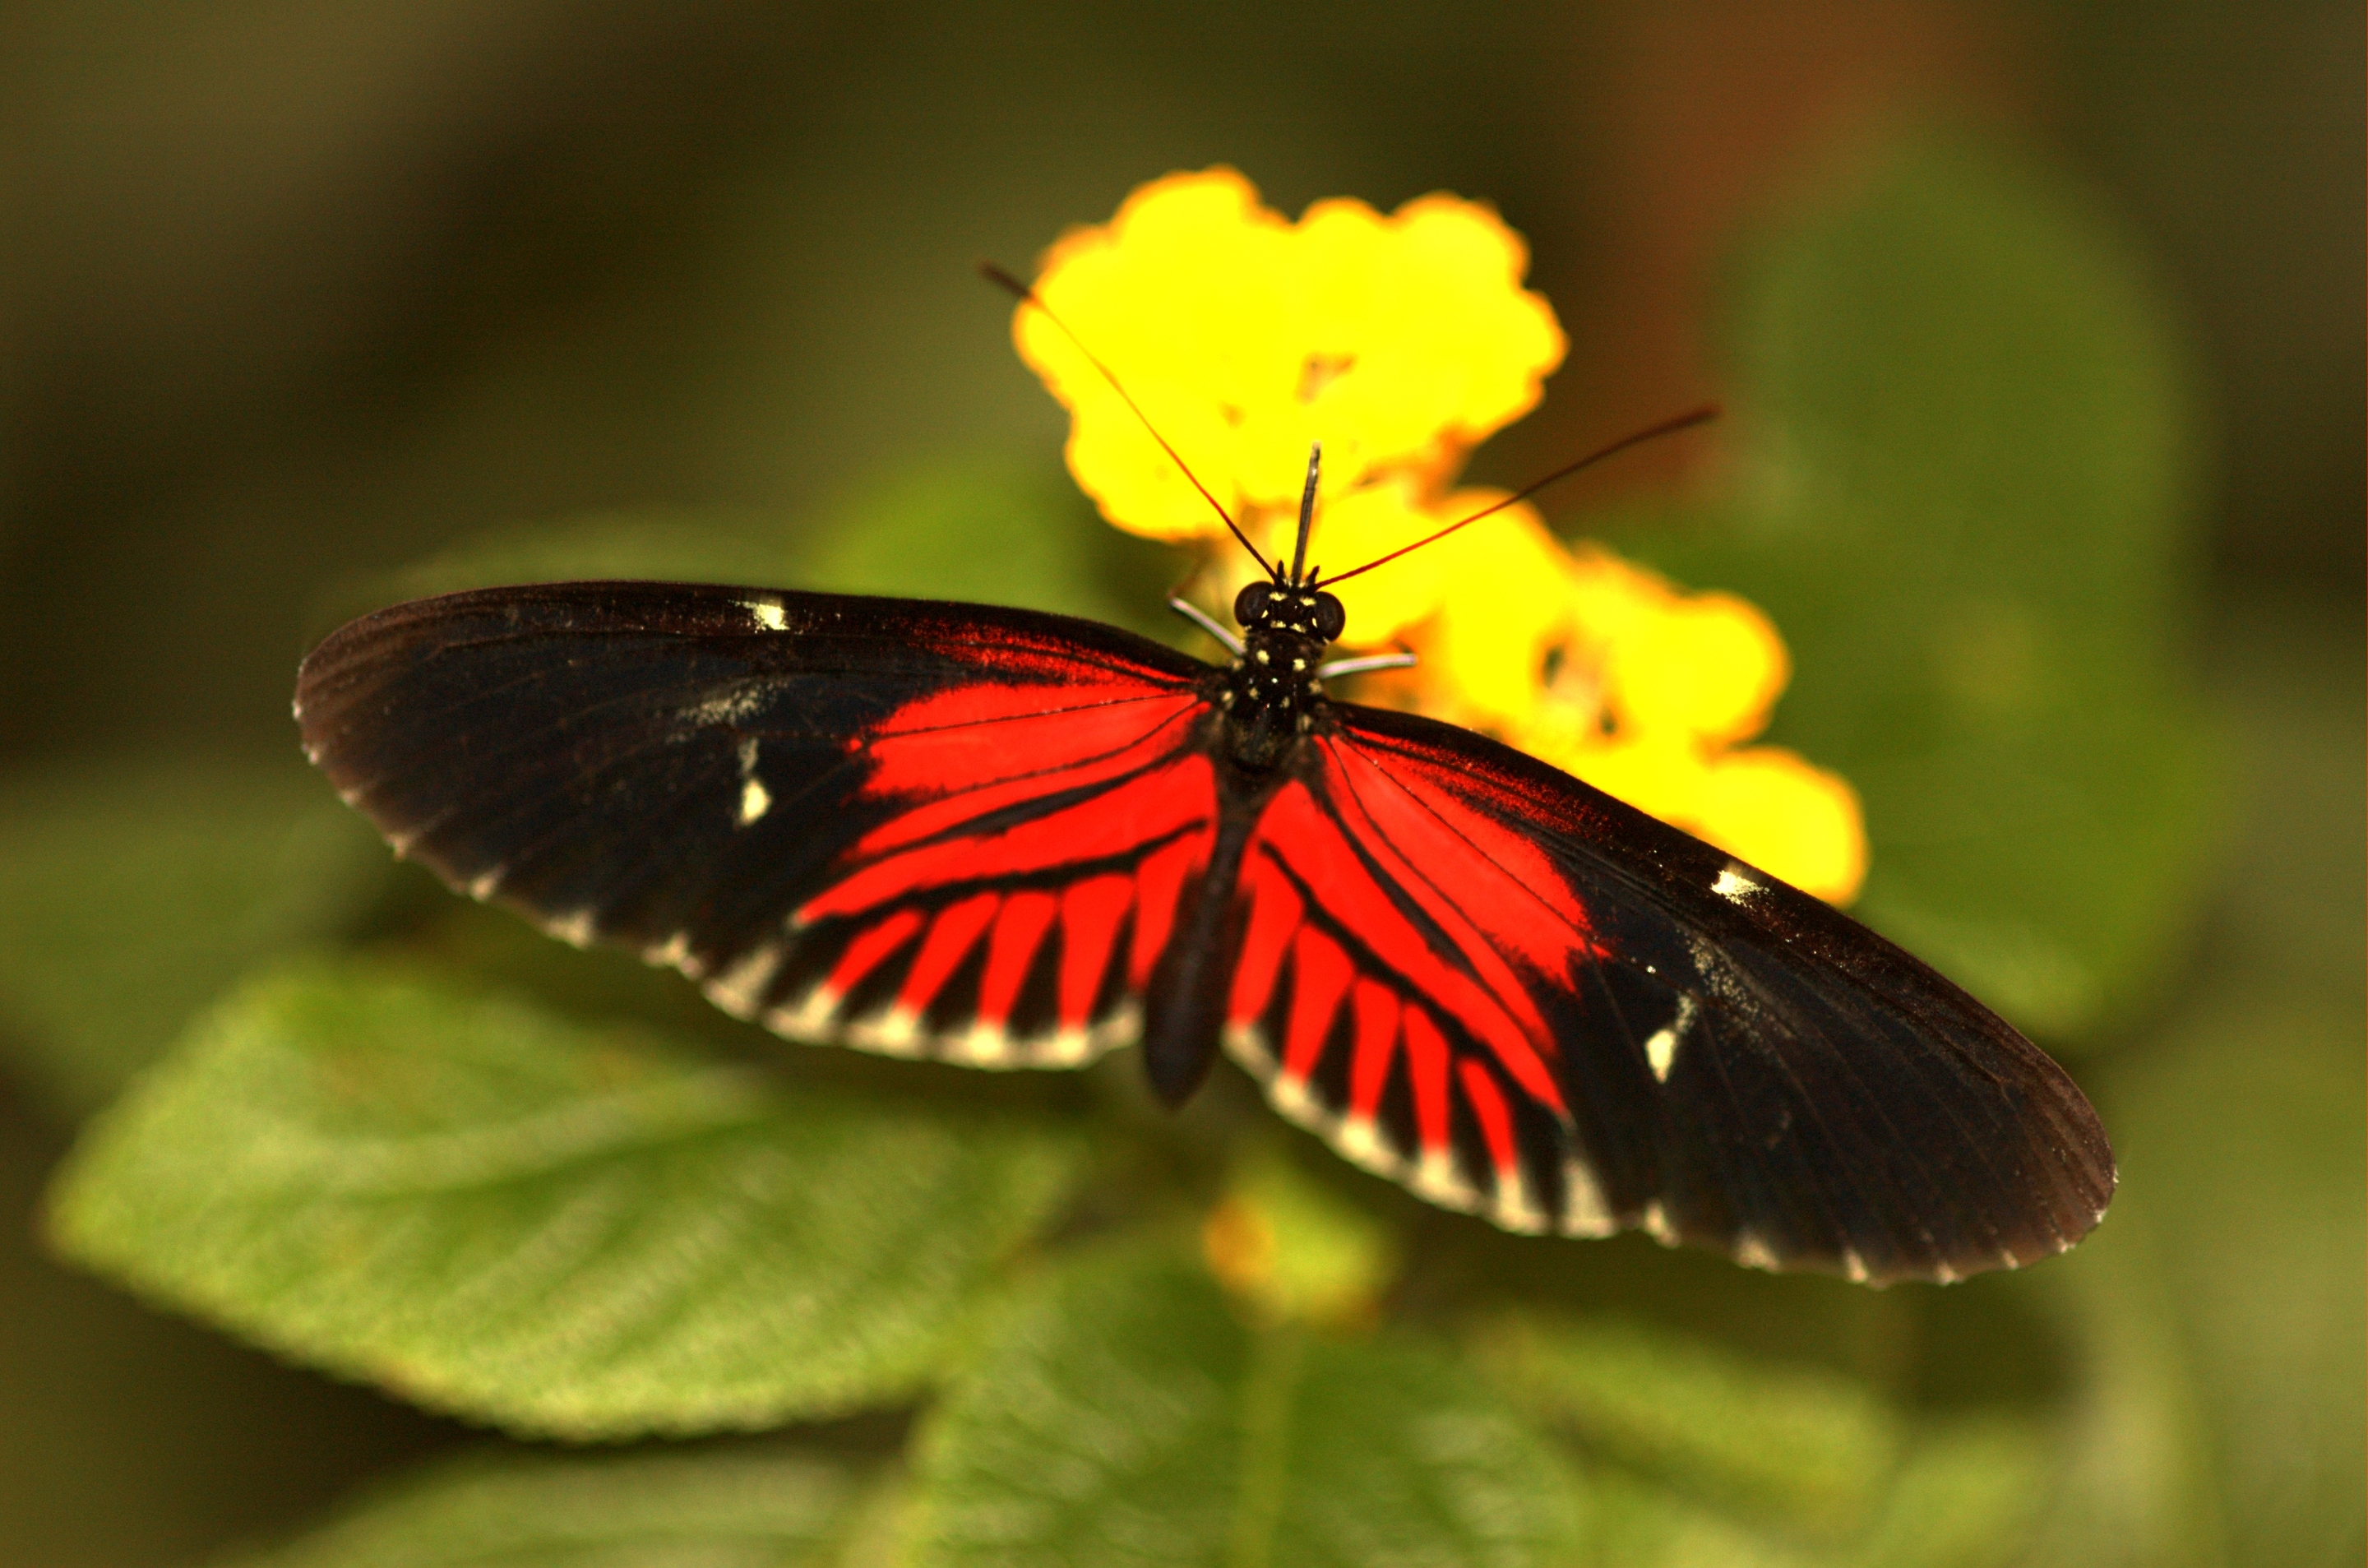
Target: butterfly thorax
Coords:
[(1272, 695)]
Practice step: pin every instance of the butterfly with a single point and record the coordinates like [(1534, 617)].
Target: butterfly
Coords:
[(1014, 839)]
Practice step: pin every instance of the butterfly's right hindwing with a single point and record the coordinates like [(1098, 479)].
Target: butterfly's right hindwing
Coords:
[(921, 829), (1477, 976)]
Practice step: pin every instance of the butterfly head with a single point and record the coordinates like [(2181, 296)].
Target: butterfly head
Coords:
[(1275, 689), (1300, 609)]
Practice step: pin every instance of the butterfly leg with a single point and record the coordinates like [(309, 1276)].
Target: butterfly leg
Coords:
[(1206, 623)]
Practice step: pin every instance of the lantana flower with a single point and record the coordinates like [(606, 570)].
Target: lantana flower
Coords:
[(1400, 342)]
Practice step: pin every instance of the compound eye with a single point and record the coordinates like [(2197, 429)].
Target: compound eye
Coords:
[(1250, 603), (1330, 618)]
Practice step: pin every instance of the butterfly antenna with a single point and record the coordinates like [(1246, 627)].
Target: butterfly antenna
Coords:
[(1702, 415), (1027, 296), (1306, 512)]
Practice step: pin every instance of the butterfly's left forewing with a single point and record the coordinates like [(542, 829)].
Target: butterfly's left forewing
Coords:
[(919, 828), (1478, 976)]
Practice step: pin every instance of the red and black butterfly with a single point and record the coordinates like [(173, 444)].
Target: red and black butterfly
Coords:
[(1014, 839)]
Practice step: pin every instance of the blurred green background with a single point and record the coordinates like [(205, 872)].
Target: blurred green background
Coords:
[(302, 296)]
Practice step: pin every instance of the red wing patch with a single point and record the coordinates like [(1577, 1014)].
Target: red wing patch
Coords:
[(1728, 1062), (1395, 945), (1007, 905)]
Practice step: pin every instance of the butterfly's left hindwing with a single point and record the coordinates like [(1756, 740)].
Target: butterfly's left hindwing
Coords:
[(915, 827)]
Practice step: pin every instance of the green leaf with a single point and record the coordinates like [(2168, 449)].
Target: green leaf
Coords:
[(1963, 1497), (1292, 1247), (2214, 1318), (1803, 1445), (1121, 1414), (657, 545), (760, 1507), (993, 532), (2218, 1313), (2134, 1484), (982, 529), (1966, 1496), (1962, 459), (587, 1235), (2262, 1241), (133, 889)]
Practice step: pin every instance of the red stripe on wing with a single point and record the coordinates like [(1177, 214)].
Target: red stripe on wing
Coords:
[(1177, 798), (950, 940), (1453, 967), (1090, 913), (1160, 881), (1377, 1013), (1426, 1062), (1497, 879), (1321, 974), (947, 770), (870, 950), (1488, 1103), (1019, 931), (1275, 914)]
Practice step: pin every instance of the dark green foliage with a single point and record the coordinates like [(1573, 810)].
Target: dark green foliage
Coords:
[(1960, 484)]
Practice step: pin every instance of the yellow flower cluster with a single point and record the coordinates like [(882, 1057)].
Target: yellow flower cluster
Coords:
[(1400, 341), (1245, 337)]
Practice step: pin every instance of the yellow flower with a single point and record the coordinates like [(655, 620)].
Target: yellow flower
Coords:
[(1650, 699), (1400, 341)]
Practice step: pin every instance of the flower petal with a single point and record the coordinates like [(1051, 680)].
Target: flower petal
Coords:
[(1504, 591), (1797, 822), (1396, 341), (1710, 665)]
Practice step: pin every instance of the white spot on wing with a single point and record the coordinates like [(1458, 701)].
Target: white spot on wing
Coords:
[(809, 1019), (1752, 1252), (731, 708), (1656, 1224), (983, 1045), (1735, 884), (1512, 1208), (1247, 1046), (674, 954), (755, 801), (1066, 1047), (1661, 1051), (577, 930), (1360, 1143), (737, 989), (896, 1032), (1584, 1212), (1289, 1092), (1123, 1026), (1434, 1176), (483, 887), (1853, 1265), (769, 613)]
